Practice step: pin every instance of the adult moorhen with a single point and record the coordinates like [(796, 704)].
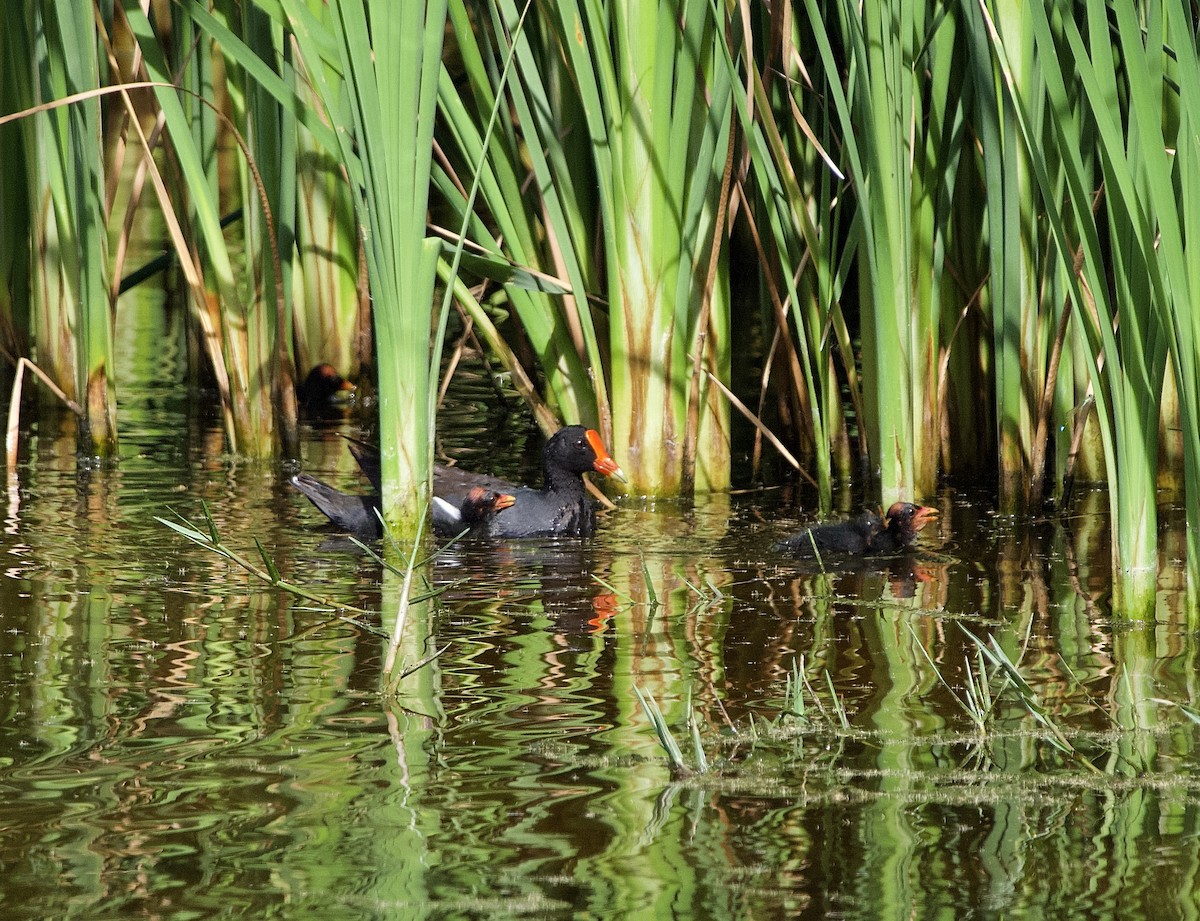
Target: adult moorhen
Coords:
[(845, 538), (560, 508), (904, 520), (356, 514)]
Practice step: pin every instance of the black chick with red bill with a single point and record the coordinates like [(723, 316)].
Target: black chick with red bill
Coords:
[(472, 512), (902, 522), (322, 388), (863, 536), (841, 538)]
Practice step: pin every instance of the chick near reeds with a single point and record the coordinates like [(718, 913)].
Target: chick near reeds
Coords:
[(323, 387), (854, 537), (902, 522), (474, 509)]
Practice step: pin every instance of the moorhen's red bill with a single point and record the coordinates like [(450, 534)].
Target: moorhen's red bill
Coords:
[(904, 520), (560, 508), (853, 537)]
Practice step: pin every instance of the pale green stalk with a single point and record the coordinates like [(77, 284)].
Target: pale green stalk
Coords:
[(268, 226), (1033, 385), (1012, 237), (895, 145), (95, 365), (657, 103), (885, 99), (73, 326), (329, 311), (388, 58), (938, 131), (802, 225), (1126, 364), (330, 316), (16, 205), (1135, 357), (585, 127), (1165, 83), (559, 329), (652, 254), (246, 326), (373, 66), (49, 323)]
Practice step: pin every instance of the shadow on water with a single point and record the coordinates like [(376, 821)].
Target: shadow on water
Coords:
[(180, 741)]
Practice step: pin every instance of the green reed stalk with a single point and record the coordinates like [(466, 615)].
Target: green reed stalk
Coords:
[(656, 99), (50, 319), (240, 330), (589, 79), (388, 58), (331, 318), (667, 133), (1033, 354), (267, 183), (1125, 340), (206, 329), (1164, 152), (1011, 237), (73, 315), (16, 205), (896, 144), (1136, 355), (884, 101), (529, 226), (795, 213)]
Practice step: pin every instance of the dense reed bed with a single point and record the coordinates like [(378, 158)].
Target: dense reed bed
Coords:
[(959, 235)]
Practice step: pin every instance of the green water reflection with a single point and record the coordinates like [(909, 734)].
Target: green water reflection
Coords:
[(178, 742)]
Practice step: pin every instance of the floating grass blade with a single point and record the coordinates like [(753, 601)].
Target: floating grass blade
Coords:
[(624, 596), (1028, 697), (1190, 712), (663, 732), (812, 693), (978, 698), (214, 537), (812, 540), (651, 595), (272, 570), (694, 730), (211, 540), (839, 705), (793, 693), (978, 689), (707, 595)]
